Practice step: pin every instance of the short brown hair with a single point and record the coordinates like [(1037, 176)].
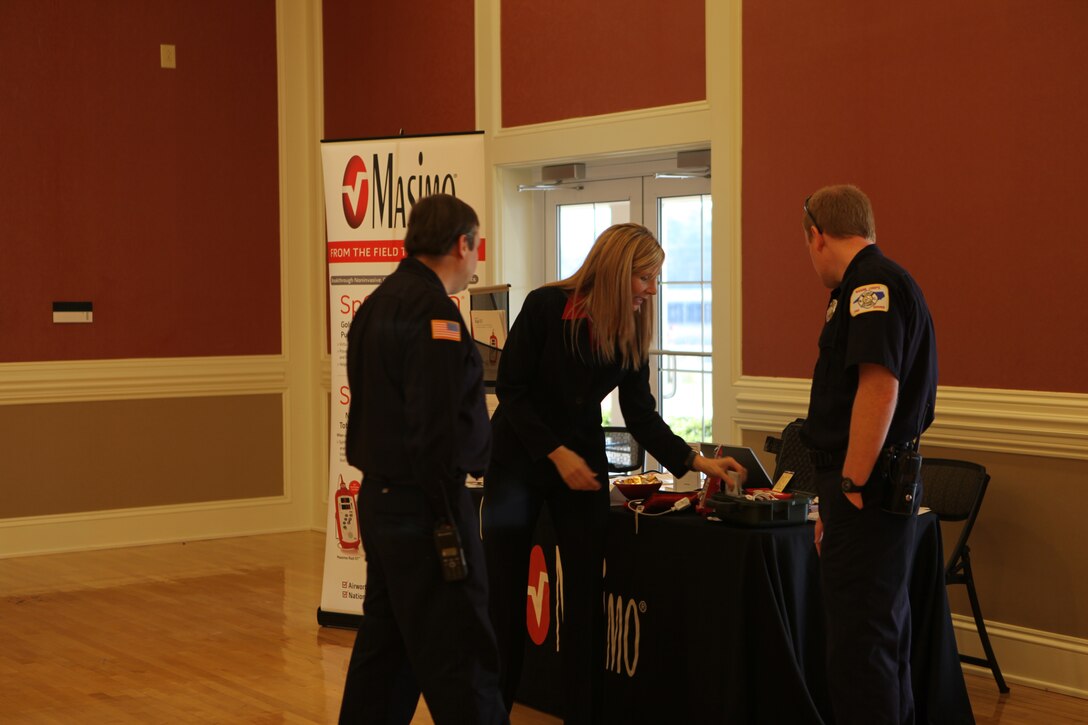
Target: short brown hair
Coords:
[(841, 211)]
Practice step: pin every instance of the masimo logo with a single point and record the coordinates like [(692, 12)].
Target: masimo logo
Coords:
[(538, 599), (624, 631), (356, 192)]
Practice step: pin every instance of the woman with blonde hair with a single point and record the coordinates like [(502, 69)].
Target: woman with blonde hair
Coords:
[(575, 341)]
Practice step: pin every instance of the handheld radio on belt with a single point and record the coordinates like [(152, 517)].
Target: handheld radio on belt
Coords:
[(903, 495), (447, 542)]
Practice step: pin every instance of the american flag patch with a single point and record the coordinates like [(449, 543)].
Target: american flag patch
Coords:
[(445, 330)]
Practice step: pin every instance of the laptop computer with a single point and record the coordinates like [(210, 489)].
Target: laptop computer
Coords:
[(757, 474)]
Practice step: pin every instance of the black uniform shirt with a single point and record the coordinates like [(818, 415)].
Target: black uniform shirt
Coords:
[(551, 396), (417, 403), (878, 315)]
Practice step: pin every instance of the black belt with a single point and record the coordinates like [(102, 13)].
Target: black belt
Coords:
[(835, 459), (380, 480), (401, 479)]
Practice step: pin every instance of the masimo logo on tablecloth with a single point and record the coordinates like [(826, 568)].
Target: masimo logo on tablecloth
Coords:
[(624, 622), (356, 192), (538, 603), (624, 633), (623, 615)]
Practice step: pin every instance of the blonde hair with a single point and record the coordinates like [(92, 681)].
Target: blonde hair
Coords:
[(601, 291)]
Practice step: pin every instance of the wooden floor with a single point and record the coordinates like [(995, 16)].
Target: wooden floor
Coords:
[(225, 632)]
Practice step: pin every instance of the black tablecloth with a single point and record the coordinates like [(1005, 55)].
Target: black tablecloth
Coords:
[(710, 622)]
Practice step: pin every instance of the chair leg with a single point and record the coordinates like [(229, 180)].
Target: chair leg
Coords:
[(980, 624)]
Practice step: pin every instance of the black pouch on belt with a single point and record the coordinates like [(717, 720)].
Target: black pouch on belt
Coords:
[(902, 495)]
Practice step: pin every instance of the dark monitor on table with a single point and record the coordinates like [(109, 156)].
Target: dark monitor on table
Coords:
[(757, 474)]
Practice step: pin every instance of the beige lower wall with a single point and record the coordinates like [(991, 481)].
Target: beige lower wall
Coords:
[(1026, 548), (64, 458)]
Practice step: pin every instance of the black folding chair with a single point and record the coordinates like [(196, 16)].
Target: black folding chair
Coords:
[(623, 451), (954, 491), (791, 454)]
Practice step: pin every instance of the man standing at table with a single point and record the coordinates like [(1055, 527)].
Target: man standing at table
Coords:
[(873, 393), (417, 424)]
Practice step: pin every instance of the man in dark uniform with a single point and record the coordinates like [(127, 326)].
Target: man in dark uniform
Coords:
[(417, 424), (873, 390)]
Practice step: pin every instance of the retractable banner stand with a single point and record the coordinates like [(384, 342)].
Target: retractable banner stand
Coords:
[(370, 188)]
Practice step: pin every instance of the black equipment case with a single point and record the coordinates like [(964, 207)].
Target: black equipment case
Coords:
[(743, 512)]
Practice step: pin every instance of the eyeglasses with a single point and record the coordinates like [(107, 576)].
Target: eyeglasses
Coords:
[(814, 222)]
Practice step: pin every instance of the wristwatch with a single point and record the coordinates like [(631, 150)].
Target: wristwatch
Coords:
[(689, 462), (848, 486)]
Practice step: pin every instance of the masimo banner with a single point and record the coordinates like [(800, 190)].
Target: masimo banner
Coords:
[(370, 187)]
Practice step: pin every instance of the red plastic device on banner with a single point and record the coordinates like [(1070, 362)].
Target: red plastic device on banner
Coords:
[(347, 518)]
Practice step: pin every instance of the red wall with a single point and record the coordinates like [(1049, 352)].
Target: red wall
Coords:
[(393, 67), (152, 193), (570, 58), (965, 123)]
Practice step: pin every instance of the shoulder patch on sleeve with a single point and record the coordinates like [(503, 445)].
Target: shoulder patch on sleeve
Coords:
[(445, 330), (869, 298)]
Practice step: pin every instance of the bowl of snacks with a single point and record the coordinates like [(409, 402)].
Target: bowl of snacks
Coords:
[(640, 487)]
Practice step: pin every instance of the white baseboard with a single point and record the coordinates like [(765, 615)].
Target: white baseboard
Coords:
[(1029, 657)]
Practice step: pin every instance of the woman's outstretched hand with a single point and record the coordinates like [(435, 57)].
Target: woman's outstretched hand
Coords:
[(727, 469), (573, 470)]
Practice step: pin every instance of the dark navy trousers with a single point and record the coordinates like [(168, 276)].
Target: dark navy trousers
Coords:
[(420, 632), (865, 565)]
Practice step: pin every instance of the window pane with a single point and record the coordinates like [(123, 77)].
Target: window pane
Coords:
[(707, 216), (682, 235), (685, 278), (682, 326), (686, 393), (708, 291), (579, 227), (685, 381)]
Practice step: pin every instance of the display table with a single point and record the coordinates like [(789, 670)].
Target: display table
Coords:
[(710, 623)]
